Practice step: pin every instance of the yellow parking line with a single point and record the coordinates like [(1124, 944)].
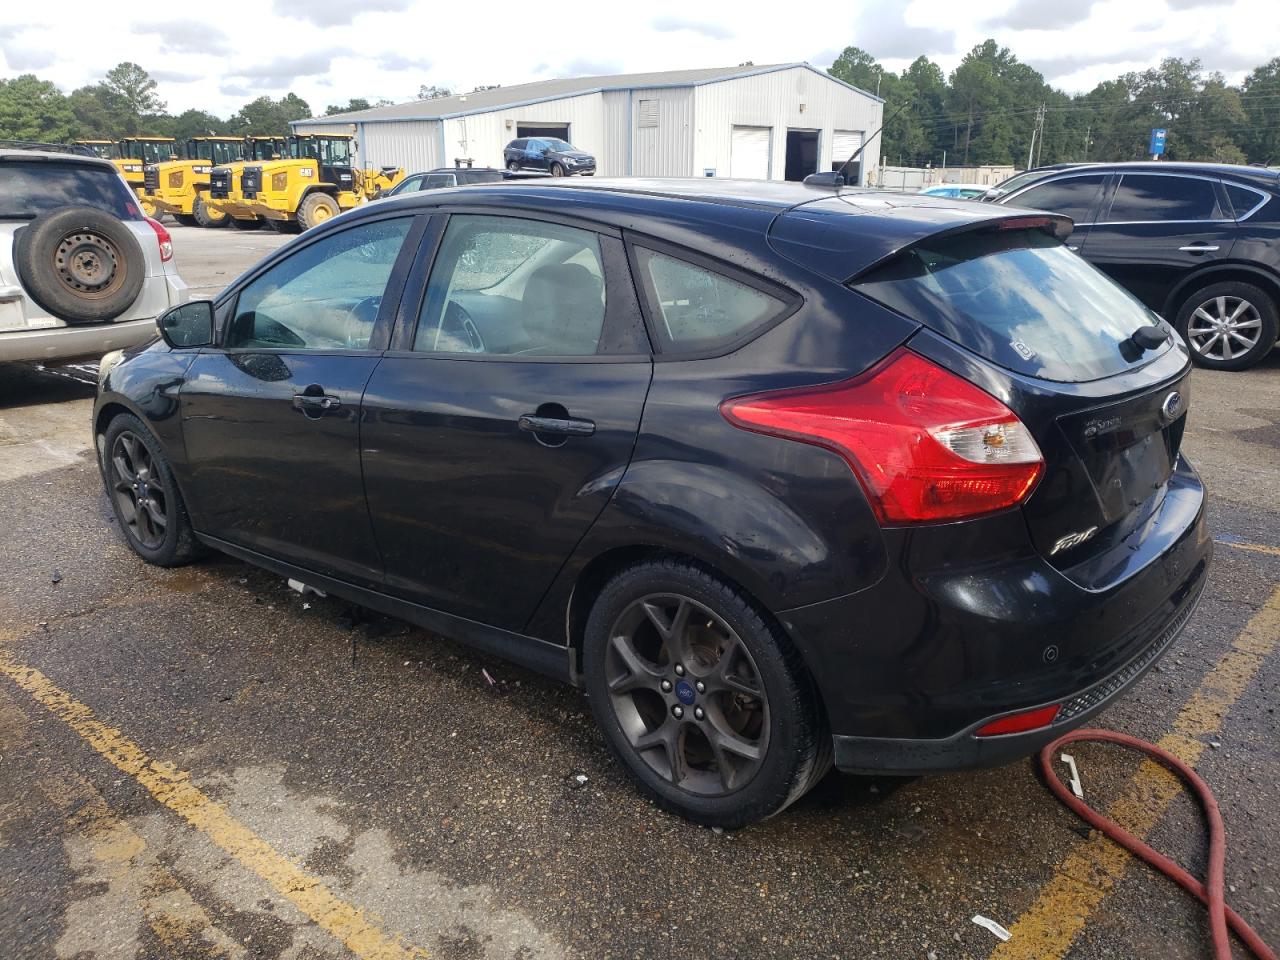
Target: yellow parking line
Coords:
[(1251, 547), (174, 789), (1087, 874)]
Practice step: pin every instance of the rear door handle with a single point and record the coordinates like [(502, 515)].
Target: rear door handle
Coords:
[(560, 426), (315, 402), (1198, 248)]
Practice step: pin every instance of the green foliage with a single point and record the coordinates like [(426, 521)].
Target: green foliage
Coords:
[(267, 116), (987, 110), (34, 109)]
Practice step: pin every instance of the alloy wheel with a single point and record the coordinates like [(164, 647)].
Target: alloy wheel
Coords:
[(1224, 328), (138, 492), (687, 694)]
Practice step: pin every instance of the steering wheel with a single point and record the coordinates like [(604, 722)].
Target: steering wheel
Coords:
[(360, 320), (460, 330)]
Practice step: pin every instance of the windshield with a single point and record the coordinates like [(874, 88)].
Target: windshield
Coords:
[(560, 146), (153, 151), (1018, 298), (266, 149), (107, 151), (29, 188), (335, 151)]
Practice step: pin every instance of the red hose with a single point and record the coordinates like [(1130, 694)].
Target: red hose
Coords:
[(1211, 893)]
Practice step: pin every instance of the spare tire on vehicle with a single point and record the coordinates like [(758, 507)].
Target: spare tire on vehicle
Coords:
[(80, 263)]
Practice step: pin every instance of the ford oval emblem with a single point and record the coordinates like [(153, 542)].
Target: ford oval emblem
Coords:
[(1172, 407)]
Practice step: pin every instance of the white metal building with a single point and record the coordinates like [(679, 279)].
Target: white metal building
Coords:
[(769, 122)]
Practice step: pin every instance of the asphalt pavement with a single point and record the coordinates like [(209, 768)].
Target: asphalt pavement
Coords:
[(203, 763)]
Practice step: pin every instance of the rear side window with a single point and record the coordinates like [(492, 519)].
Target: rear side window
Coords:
[(1146, 197), (697, 308), (29, 188), (1018, 298), (439, 180), (1074, 197), (1243, 200)]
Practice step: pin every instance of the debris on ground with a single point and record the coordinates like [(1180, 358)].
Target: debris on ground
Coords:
[(578, 781), (487, 677), (988, 924), (1076, 786), (56, 578)]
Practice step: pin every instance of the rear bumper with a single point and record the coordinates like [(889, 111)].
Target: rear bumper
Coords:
[(970, 623), (965, 750), (74, 342)]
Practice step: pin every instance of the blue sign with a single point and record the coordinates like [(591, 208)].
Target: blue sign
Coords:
[(1157, 141)]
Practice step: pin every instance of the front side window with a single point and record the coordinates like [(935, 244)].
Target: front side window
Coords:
[(698, 308), (1151, 198), (560, 146), (325, 296), (406, 186), (1074, 197), (504, 286), (439, 180)]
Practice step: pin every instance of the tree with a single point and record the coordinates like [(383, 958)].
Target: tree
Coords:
[(429, 92), (134, 94), (97, 112), (1260, 98), (267, 117), (34, 109), (193, 123), (355, 103)]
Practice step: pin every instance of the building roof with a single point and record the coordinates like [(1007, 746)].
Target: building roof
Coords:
[(520, 94)]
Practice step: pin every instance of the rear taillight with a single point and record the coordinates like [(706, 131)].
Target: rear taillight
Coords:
[(926, 444), (163, 238)]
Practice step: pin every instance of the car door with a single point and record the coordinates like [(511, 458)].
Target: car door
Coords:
[(536, 156), (514, 152), (1075, 195), (1157, 228), (496, 430), (270, 417)]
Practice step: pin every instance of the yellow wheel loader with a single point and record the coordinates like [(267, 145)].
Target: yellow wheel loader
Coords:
[(131, 155), (225, 195), (181, 187), (315, 181)]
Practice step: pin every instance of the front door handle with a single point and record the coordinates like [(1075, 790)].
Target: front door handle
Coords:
[(1198, 248), (314, 404), (558, 426)]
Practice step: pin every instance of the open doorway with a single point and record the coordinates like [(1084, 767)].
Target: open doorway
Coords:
[(558, 131), (802, 153)]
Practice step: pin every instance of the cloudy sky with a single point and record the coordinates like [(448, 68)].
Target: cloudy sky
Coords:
[(331, 50)]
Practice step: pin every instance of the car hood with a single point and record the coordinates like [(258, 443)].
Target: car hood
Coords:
[(573, 154)]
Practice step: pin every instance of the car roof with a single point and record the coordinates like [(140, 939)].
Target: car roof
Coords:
[(459, 170), (19, 154), (837, 235)]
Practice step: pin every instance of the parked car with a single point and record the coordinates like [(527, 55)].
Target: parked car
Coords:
[(956, 191), (547, 155), (1023, 177), (779, 477), (82, 271), (444, 177), (1198, 243)]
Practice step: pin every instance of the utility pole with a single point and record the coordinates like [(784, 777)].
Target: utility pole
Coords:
[(1087, 131), (1037, 129)]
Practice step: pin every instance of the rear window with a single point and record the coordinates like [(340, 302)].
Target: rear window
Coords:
[(29, 188), (1018, 298), (1162, 198)]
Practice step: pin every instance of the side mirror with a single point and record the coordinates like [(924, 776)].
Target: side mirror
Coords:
[(187, 325)]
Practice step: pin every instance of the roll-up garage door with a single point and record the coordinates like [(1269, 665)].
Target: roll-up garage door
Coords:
[(749, 157), (843, 144)]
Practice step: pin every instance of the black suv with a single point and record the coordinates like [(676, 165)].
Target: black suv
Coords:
[(1198, 243), (547, 155), (780, 478)]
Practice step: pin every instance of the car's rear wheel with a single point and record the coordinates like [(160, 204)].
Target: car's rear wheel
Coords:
[(1229, 325), (702, 698), (513, 167), (144, 495)]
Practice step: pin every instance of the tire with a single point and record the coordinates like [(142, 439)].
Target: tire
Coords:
[(284, 226), (148, 207), (244, 223), (513, 167), (654, 702), (186, 219), (1251, 313), (316, 208), (557, 170), (81, 264), (130, 452), (206, 217)]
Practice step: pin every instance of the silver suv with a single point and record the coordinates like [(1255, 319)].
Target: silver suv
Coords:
[(82, 271)]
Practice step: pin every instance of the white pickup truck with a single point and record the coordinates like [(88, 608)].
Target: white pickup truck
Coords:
[(82, 271)]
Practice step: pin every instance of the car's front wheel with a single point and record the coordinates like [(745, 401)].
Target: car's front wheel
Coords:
[(705, 701), (1229, 325), (557, 170), (144, 495)]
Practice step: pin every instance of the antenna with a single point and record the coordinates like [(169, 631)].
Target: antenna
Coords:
[(839, 178)]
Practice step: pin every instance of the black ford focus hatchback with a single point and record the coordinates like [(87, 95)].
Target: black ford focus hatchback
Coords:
[(783, 479)]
